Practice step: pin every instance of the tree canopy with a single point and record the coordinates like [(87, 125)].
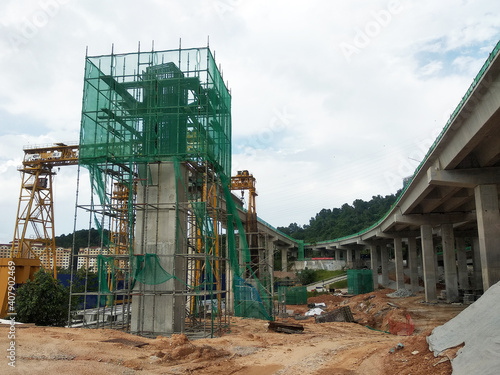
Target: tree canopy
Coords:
[(83, 238), (43, 301), (329, 224)]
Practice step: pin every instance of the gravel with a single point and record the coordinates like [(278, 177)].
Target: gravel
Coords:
[(401, 293)]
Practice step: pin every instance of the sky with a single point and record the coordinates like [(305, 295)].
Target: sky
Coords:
[(332, 101)]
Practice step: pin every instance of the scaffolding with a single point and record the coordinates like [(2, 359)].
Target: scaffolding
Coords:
[(156, 140)]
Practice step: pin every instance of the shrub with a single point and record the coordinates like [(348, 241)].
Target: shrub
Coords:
[(306, 276), (43, 301)]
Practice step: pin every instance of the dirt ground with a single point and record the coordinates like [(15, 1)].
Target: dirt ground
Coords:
[(249, 348)]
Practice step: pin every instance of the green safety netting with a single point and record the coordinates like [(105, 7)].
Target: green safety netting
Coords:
[(295, 295), (153, 106), (300, 244), (164, 106), (248, 301), (148, 270), (359, 281), (251, 297)]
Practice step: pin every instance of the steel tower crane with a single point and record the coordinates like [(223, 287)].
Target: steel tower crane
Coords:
[(36, 212)]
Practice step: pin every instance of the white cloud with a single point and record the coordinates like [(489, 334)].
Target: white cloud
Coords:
[(344, 125)]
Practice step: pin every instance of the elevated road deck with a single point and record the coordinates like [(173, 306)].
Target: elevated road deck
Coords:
[(451, 202)]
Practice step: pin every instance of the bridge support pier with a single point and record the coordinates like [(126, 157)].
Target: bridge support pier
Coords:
[(476, 264), (358, 262), (337, 254), (429, 263), (374, 265), (450, 263), (284, 259), (398, 254), (412, 258), (463, 278), (384, 260), (488, 224), (349, 260)]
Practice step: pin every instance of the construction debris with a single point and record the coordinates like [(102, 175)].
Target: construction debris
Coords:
[(314, 311), (342, 314), (398, 347), (285, 327), (401, 293)]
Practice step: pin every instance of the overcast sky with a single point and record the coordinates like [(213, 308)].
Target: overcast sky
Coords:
[(331, 100)]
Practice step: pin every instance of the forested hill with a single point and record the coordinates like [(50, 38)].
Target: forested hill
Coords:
[(329, 224), (83, 238)]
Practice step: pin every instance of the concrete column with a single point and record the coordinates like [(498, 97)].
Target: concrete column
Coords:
[(156, 308), (229, 283), (270, 261), (412, 258), (284, 259), (398, 254), (337, 254), (420, 265), (478, 271), (450, 263), (488, 227), (384, 260), (374, 264), (262, 258), (463, 277), (349, 260), (357, 261), (429, 263), (436, 262)]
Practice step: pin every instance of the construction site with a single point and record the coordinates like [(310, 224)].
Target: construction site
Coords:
[(185, 273)]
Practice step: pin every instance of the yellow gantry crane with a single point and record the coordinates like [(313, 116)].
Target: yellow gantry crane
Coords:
[(245, 181), (36, 247)]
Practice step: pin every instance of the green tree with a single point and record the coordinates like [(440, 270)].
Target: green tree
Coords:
[(329, 224), (43, 301), (306, 276)]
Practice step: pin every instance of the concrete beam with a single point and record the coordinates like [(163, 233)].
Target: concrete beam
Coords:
[(468, 178), (433, 219)]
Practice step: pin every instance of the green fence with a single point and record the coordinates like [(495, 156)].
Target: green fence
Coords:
[(359, 281), (296, 295)]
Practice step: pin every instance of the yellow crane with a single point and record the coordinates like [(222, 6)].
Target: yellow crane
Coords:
[(246, 181), (35, 248)]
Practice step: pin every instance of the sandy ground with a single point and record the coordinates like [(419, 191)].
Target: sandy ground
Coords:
[(249, 348)]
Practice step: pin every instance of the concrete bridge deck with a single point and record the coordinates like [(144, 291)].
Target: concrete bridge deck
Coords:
[(450, 204)]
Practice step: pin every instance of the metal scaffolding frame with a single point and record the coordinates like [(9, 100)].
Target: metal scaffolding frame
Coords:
[(156, 139)]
